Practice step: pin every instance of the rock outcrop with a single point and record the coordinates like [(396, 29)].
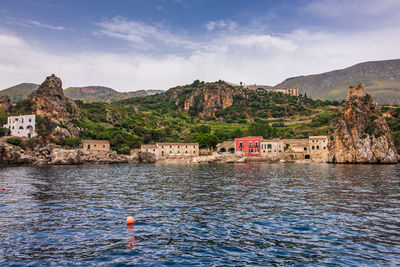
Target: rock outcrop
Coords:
[(60, 156), (49, 101), (10, 155), (4, 102), (210, 98), (145, 157), (361, 134)]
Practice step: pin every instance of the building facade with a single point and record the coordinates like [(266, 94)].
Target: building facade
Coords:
[(272, 148), (96, 146), (318, 146), (248, 146), (21, 126), (172, 150), (226, 147), (296, 149), (288, 91)]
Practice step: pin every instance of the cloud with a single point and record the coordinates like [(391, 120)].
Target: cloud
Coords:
[(237, 55), (221, 25), (139, 33), (47, 26)]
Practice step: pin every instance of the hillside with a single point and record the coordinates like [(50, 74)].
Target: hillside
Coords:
[(103, 94), (381, 79), (19, 92)]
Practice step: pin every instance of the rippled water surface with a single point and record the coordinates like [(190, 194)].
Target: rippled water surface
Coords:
[(248, 214)]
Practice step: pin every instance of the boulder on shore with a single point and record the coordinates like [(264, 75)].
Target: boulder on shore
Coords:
[(60, 156)]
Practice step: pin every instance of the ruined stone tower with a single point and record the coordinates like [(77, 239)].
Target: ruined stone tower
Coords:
[(355, 90)]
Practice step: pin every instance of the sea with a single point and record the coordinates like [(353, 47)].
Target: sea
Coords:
[(200, 215)]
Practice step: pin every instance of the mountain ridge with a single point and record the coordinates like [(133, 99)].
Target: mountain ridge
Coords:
[(381, 79)]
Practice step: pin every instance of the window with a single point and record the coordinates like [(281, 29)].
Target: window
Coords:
[(170, 146), (186, 152), (240, 145), (179, 152), (104, 145), (250, 150), (324, 147), (178, 146), (256, 150), (30, 120), (313, 147), (162, 146), (154, 150), (250, 144), (241, 149), (263, 151), (94, 145), (256, 144), (194, 146), (269, 151), (88, 146), (280, 151), (186, 147), (170, 152), (317, 147), (305, 148), (269, 146)]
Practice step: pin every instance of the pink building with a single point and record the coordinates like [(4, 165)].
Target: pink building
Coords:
[(248, 146)]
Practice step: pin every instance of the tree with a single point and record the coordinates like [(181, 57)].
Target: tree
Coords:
[(206, 140), (260, 129)]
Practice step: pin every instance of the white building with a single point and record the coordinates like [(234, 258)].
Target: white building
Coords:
[(21, 126)]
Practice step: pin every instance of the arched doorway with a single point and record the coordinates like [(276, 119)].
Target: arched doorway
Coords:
[(307, 157), (231, 150), (222, 149)]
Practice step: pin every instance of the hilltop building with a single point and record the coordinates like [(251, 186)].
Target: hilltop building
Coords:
[(288, 91), (355, 90), (172, 150), (96, 146), (21, 126)]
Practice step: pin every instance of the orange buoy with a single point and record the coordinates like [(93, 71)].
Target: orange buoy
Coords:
[(130, 220), (2, 188)]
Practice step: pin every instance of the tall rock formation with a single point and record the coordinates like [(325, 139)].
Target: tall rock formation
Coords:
[(4, 102), (49, 101), (361, 134), (210, 98)]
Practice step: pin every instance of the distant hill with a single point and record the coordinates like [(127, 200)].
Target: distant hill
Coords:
[(381, 79), (103, 94), (86, 94), (20, 91)]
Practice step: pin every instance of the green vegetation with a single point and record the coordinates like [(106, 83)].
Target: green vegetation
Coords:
[(71, 142), (16, 141)]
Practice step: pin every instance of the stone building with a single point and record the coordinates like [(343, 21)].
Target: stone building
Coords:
[(355, 90), (172, 150), (96, 146), (272, 148), (226, 147), (296, 149), (21, 126), (318, 146), (288, 91)]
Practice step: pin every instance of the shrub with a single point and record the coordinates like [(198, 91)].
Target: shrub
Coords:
[(14, 141), (124, 150), (71, 142), (4, 132)]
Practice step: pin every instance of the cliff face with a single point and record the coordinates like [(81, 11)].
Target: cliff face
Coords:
[(210, 98), (361, 134), (49, 101)]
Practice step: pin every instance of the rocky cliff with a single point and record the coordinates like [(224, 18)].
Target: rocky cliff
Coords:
[(49, 101), (207, 99), (361, 134)]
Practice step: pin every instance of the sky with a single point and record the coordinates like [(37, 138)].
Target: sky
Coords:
[(130, 45)]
